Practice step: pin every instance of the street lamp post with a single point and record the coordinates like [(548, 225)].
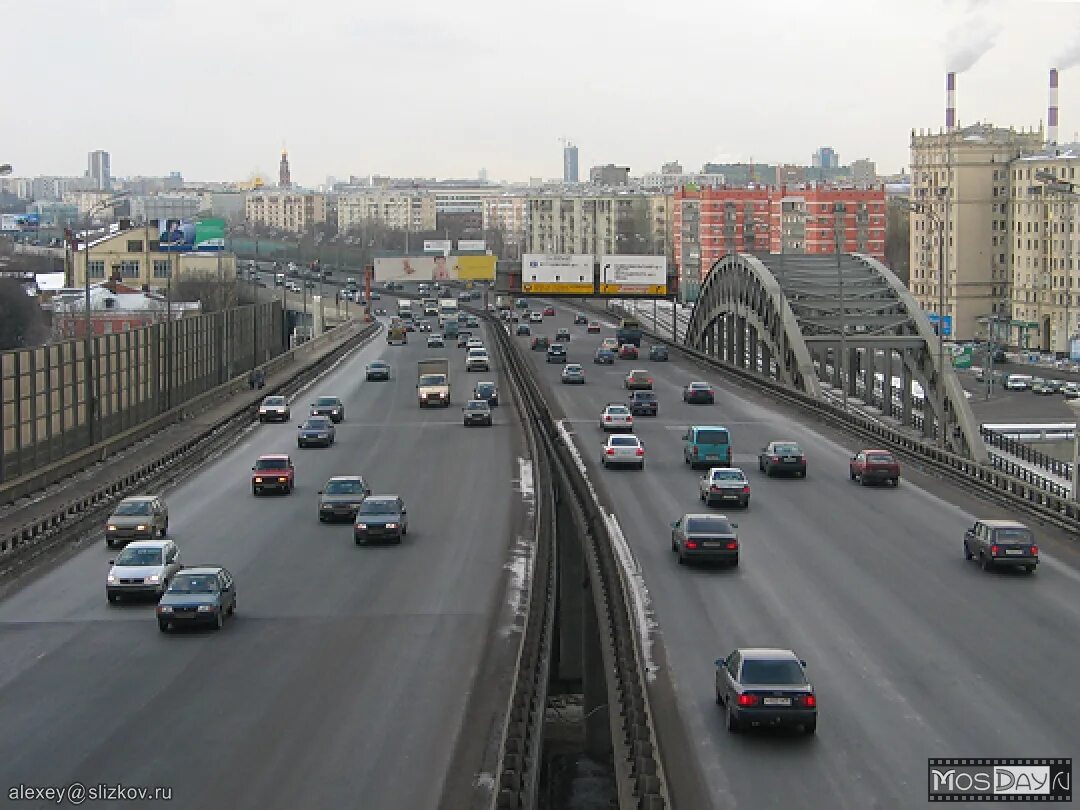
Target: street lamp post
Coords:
[(837, 225)]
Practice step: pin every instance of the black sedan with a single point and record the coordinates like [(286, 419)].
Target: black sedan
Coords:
[(699, 393), (381, 517), (658, 352), (523, 330), (710, 538), (580, 319), (643, 403), (782, 457), (378, 370), (476, 412), (328, 406), (486, 391), (765, 687), (605, 357), (203, 595), (556, 353)]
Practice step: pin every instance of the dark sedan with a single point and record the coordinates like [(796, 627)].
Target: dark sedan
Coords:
[(540, 343), (378, 370), (765, 687), (380, 517), (782, 457), (605, 357), (341, 496), (476, 412), (523, 330), (580, 318), (712, 538), (329, 406), (318, 431), (486, 391), (556, 353), (1001, 543), (658, 352), (699, 393), (643, 403), (203, 595)]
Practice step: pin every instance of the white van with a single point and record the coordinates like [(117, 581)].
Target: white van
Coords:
[(1019, 382)]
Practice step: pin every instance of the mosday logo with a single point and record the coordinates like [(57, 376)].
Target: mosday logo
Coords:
[(1000, 779)]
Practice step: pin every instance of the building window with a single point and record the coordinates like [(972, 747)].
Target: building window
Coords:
[(134, 245), (97, 269), (161, 268), (129, 269)]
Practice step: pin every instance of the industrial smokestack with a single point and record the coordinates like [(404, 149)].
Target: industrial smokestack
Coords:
[(1052, 112), (950, 102)]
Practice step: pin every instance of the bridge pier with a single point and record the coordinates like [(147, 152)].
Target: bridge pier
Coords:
[(886, 383), (753, 341)]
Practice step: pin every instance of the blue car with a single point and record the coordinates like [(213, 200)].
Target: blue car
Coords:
[(604, 357), (318, 431)]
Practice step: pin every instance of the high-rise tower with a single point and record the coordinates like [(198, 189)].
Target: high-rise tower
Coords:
[(284, 177)]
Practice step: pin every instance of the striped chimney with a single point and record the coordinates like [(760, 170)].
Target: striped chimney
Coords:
[(1052, 112), (950, 101)]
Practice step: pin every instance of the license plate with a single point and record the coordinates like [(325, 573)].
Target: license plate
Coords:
[(1016, 551), (777, 701), (712, 458), (708, 544), (789, 458), (731, 497)]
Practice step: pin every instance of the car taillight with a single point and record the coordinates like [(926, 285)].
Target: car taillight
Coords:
[(611, 451), (630, 419), (607, 418), (746, 490), (774, 458), (748, 700), (733, 545), (649, 380), (694, 452), (691, 543), (640, 451), (715, 488), (995, 550), (809, 701), (1034, 551)]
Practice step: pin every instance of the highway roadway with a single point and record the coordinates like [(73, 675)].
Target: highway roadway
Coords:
[(914, 653), (345, 678)]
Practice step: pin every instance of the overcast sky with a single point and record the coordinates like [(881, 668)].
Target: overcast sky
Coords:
[(436, 88)]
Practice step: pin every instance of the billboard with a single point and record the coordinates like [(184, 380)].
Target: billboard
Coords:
[(437, 245), (210, 234), (557, 273), (177, 236), (472, 245), (435, 268), (633, 275)]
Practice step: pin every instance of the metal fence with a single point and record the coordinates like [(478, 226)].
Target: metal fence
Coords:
[(61, 398)]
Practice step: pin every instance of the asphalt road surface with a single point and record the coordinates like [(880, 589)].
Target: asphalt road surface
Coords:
[(344, 677), (914, 652)]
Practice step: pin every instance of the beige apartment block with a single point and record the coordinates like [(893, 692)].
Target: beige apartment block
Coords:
[(404, 210), (960, 183), (293, 211), (1044, 251), (132, 256), (598, 224), (506, 212)]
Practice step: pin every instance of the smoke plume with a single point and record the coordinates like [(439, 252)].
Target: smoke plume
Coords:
[(972, 36), (1069, 54)]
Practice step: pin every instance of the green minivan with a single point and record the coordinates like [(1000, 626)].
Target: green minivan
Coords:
[(707, 446)]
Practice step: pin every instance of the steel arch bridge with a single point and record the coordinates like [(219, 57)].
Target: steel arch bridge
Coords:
[(781, 317)]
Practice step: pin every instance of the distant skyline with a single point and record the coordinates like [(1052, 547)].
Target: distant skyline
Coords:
[(427, 88)]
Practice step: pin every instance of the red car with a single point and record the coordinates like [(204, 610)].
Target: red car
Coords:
[(874, 466), (549, 310), (274, 473), (628, 351)]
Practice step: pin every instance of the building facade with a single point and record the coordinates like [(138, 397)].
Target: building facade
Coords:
[(609, 175), (864, 173), (407, 209), (163, 207), (1045, 306), (960, 192), (292, 211), (709, 223), (596, 224), (99, 170), (570, 163)]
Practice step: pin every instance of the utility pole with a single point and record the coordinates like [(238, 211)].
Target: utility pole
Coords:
[(837, 226)]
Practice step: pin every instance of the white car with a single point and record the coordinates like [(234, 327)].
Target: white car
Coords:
[(610, 343), (725, 485), (274, 409), (616, 416), (477, 360), (474, 343), (144, 568), (536, 317), (623, 450), (435, 341)]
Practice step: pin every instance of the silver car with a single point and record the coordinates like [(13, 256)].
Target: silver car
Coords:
[(137, 517), (477, 360), (274, 409), (341, 496), (144, 568), (573, 373), (724, 485), (623, 450), (616, 416)]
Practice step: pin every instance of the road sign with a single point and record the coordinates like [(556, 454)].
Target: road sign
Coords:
[(946, 326), (633, 275), (557, 273)]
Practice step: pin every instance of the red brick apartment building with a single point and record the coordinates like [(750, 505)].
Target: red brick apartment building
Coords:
[(711, 222)]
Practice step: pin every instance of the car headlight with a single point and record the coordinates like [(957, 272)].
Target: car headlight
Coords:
[(207, 608), (141, 527), (263, 411), (355, 505), (391, 525), (326, 506), (164, 609), (112, 579), (282, 480), (323, 436), (361, 526), (258, 480), (153, 579), (112, 528)]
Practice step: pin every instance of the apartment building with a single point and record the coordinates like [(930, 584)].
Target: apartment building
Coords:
[(293, 211), (1045, 306), (405, 209), (960, 188), (596, 224), (709, 223), (506, 212)]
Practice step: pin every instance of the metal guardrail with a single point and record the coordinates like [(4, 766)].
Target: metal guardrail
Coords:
[(43, 527), (1013, 487), (638, 769), (1026, 452)]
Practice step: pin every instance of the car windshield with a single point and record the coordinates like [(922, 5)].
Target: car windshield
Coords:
[(270, 464), (432, 379), (644, 395), (880, 458), (617, 410), (787, 449), (133, 508), (708, 525), (712, 437), (371, 507), (572, 369), (772, 672), (477, 405), (728, 475), (623, 441), (699, 386), (343, 488), (378, 365), (484, 388), (1013, 535), (603, 353), (139, 556), (326, 401), (194, 583), (316, 424), (274, 401)]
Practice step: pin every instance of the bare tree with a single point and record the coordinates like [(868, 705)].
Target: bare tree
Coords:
[(214, 295), (898, 239), (22, 323)]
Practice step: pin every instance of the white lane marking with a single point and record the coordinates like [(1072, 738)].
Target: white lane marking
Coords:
[(525, 478)]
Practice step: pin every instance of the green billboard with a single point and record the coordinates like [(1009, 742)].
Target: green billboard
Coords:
[(210, 234)]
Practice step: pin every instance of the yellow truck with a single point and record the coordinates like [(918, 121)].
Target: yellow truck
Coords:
[(397, 334)]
